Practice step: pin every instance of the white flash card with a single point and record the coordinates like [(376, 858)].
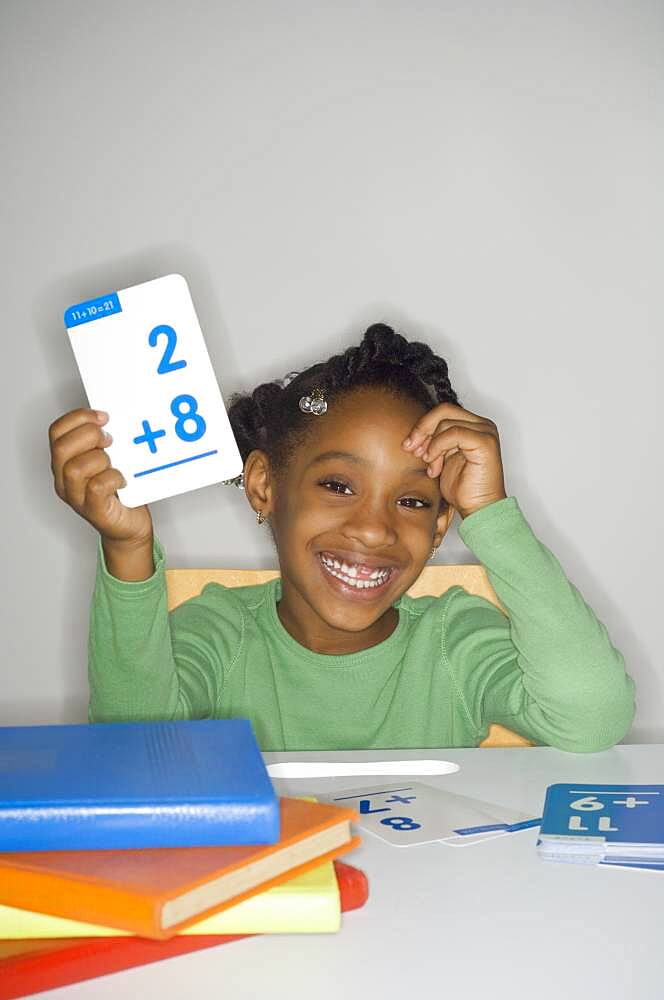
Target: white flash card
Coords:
[(143, 360), (413, 813)]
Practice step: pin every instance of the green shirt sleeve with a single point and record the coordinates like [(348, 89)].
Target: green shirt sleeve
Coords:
[(549, 670), (141, 668)]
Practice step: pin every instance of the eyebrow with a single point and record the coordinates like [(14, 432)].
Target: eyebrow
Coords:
[(419, 470)]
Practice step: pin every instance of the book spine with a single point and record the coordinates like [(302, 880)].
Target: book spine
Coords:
[(146, 825)]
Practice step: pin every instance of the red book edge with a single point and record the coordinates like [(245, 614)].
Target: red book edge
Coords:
[(59, 962), (353, 886)]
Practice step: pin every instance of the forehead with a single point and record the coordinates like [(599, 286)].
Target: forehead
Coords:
[(370, 422)]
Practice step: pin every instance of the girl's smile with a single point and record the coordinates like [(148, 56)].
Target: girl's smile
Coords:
[(356, 575)]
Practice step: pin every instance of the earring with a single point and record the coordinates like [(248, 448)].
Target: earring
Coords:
[(433, 552), (260, 516)]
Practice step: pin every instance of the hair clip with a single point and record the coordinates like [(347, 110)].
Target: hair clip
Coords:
[(287, 379), (315, 403)]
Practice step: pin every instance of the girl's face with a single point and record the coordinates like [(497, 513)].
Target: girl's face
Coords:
[(354, 517)]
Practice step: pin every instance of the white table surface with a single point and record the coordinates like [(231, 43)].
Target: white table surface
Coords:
[(490, 921)]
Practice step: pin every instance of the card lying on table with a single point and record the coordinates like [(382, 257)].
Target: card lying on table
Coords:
[(158, 892), (134, 784), (408, 814), (143, 360), (613, 825)]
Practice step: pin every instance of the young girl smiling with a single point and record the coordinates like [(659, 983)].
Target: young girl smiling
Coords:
[(357, 465)]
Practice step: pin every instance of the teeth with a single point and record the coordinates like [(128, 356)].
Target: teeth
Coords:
[(349, 574)]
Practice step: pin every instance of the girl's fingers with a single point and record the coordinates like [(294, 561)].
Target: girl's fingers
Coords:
[(436, 467), (433, 448), (78, 471), (75, 418), (421, 448), (78, 441), (444, 412), (454, 439), (100, 493)]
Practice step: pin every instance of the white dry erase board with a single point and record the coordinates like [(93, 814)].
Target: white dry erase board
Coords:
[(142, 358)]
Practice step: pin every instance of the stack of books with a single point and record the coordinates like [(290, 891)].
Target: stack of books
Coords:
[(621, 826), (125, 843)]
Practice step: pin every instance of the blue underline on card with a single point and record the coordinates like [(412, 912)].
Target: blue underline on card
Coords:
[(192, 458), (372, 794), (466, 830), (508, 827), (525, 825)]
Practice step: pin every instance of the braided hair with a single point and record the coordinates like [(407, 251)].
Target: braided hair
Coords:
[(269, 418)]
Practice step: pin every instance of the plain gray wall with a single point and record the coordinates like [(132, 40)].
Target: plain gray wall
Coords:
[(486, 177)]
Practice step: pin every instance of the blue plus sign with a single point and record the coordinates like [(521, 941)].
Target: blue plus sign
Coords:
[(149, 436)]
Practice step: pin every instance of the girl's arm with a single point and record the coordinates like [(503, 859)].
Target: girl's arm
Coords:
[(146, 664), (550, 671), (131, 563)]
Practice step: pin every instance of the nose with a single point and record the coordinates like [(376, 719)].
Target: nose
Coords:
[(370, 524)]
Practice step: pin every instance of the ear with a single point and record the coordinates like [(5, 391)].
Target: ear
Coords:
[(442, 524), (258, 481)]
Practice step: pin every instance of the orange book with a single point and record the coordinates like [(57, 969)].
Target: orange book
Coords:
[(155, 892)]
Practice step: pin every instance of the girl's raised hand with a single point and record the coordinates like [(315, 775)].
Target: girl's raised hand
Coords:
[(84, 479), (464, 450)]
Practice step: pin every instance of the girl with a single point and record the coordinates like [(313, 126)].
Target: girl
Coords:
[(357, 466)]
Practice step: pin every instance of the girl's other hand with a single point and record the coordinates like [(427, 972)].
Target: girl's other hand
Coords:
[(464, 450), (84, 479)]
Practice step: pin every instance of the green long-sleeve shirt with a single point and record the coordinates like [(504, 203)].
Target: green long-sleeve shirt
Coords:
[(453, 665)]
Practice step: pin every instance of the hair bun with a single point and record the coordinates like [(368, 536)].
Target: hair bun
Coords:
[(381, 342)]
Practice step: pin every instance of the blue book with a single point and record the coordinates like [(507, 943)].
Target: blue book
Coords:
[(197, 783), (603, 824)]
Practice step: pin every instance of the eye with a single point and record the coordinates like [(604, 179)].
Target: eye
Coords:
[(411, 501), (336, 486)]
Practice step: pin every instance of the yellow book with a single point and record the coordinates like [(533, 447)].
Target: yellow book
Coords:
[(306, 904)]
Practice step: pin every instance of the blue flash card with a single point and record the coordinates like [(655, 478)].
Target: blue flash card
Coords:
[(601, 815), (142, 358)]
